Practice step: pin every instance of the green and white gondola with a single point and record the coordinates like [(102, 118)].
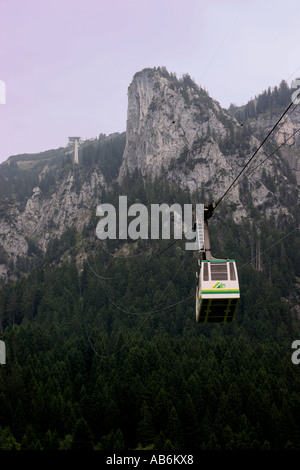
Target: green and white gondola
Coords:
[(217, 293)]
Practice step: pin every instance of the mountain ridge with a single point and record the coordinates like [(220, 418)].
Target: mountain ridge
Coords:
[(176, 132)]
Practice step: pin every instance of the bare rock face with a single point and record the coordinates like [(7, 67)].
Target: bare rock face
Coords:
[(176, 130), (164, 118), (48, 216), (286, 134), (68, 206)]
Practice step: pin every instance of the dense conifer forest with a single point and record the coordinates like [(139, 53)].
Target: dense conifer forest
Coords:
[(270, 100), (120, 363)]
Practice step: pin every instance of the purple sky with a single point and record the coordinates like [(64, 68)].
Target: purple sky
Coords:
[(67, 64)]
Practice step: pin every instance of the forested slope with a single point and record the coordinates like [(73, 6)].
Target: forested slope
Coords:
[(84, 373)]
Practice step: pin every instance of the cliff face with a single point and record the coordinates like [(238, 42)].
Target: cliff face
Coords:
[(174, 128), (164, 117), (47, 216), (286, 133)]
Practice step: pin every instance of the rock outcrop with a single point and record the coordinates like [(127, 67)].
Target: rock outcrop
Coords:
[(174, 128), (164, 117), (70, 204)]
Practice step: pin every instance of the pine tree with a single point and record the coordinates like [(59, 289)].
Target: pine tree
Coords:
[(145, 430), (82, 438)]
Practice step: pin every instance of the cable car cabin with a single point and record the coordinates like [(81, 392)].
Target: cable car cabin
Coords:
[(217, 293)]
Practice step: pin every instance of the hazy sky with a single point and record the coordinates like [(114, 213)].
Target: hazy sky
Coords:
[(67, 64)]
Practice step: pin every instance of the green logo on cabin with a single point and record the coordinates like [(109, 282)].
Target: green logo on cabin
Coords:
[(219, 285)]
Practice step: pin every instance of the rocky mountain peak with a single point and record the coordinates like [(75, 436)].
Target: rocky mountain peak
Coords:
[(165, 117)]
